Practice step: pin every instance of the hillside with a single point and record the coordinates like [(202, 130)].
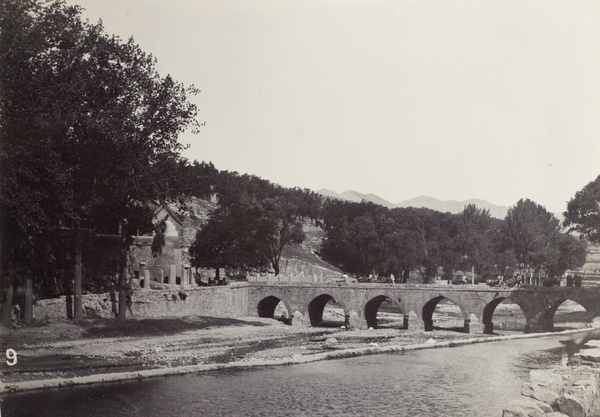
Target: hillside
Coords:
[(295, 258), (304, 256)]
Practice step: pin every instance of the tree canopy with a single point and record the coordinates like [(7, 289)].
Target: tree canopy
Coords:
[(88, 126), (365, 238), (533, 233), (248, 234), (583, 212)]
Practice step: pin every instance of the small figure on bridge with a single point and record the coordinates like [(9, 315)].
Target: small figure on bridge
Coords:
[(569, 280), (347, 321)]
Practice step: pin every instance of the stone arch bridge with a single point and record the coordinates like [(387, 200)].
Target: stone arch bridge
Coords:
[(305, 302)]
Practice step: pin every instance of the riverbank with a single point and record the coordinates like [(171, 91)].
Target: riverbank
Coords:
[(62, 353)]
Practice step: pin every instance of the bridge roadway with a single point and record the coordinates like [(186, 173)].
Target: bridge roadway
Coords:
[(305, 302)]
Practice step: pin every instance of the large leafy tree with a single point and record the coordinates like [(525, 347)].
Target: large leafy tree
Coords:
[(353, 241), (532, 232), (573, 252), (280, 222), (583, 212), (357, 247), (434, 230), (248, 233), (88, 126), (33, 179), (472, 242), (405, 241), (366, 238), (534, 236), (230, 238)]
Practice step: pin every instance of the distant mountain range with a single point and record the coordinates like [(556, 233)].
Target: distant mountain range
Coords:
[(451, 206)]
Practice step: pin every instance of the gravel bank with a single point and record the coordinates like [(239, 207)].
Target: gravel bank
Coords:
[(64, 354)]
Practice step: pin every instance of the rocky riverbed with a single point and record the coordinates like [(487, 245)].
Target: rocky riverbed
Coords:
[(572, 391), (62, 352), (65, 350)]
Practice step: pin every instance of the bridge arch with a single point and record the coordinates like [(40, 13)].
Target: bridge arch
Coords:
[(429, 308), (266, 306), (577, 314), (372, 307), (490, 309), (316, 307)]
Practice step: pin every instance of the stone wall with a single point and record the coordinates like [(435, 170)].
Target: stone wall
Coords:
[(222, 301)]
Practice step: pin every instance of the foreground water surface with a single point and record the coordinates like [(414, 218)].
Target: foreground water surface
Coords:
[(474, 380)]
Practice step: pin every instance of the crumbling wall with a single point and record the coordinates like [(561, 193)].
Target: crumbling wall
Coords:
[(222, 301)]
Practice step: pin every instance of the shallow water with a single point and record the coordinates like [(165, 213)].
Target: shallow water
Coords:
[(474, 380)]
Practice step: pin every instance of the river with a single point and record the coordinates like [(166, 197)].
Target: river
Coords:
[(473, 380)]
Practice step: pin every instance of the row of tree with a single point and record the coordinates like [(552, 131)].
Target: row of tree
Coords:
[(364, 238), (257, 219)]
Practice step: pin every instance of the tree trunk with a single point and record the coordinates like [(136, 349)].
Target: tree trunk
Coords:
[(122, 292), (276, 259), (77, 280), (3, 280), (7, 302), (28, 312), (123, 271)]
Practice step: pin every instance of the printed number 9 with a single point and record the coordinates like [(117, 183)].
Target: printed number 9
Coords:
[(11, 357)]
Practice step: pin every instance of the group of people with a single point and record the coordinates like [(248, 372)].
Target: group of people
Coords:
[(573, 280), (520, 279)]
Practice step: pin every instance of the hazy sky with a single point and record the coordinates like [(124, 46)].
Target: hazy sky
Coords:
[(453, 99)]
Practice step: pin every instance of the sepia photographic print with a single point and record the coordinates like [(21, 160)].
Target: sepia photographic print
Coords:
[(299, 208)]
